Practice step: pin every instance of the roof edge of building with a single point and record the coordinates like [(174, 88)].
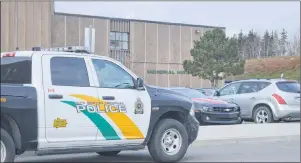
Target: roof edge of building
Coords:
[(137, 20)]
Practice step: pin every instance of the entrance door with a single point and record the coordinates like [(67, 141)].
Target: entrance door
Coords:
[(66, 79)]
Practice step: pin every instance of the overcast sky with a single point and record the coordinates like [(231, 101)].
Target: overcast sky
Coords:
[(233, 15)]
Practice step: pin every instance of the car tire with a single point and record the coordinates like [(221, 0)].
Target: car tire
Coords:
[(7, 147), (111, 153), (171, 133), (240, 121), (265, 112)]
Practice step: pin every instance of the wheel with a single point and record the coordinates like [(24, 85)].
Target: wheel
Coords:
[(7, 147), (240, 121), (169, 141), (262, 114), (111, 153)]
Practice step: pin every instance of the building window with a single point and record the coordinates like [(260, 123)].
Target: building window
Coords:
[(119, 40)]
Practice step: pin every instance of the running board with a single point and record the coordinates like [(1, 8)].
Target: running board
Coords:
[(57, 151)]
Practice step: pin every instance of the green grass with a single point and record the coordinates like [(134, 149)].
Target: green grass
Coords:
[(293, 74)]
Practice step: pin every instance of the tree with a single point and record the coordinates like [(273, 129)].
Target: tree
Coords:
[(215, 56), (283, 42)]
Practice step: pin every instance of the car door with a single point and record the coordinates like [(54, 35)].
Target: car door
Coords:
[(65, 80), (126, 109), (248, 94)]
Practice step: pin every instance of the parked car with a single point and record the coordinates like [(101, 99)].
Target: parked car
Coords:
[(211, 111), (264, 100), (207, 91)]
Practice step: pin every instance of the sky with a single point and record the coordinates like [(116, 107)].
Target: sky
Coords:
[(234, 15)]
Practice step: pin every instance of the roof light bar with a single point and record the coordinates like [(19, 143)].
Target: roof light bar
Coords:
[(75, 49)]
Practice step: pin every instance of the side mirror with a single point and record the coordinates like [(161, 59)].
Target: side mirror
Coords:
[(140, 84), (216, 93)]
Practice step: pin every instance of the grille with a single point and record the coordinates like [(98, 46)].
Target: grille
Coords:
[(224, 109)]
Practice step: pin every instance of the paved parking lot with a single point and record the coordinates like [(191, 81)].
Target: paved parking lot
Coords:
[(281, 150)]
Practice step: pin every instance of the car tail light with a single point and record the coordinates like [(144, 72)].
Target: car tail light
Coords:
[(279, 99), (9, 55)]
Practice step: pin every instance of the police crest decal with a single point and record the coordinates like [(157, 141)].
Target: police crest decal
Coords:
[(138, 106)]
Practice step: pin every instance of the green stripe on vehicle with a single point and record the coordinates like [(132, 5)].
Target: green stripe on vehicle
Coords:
[(104, 127)]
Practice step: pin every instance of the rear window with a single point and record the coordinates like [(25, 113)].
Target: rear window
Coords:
[(291, 87), (16, 70)]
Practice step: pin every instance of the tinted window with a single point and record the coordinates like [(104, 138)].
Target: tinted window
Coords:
[(252, 87), (230, 89), (69, 71), (191, 93), (292, 87), (110, 75), (16, 70)]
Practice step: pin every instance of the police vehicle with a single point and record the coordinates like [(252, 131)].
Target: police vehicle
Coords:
[(67, 100)]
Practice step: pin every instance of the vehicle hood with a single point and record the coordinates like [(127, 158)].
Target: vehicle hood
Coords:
[(210, 102), (164, 97)]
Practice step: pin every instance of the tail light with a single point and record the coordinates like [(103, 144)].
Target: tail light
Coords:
[(9, 55), (279, 99)]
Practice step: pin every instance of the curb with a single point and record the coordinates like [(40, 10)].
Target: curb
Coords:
[(273, 139)]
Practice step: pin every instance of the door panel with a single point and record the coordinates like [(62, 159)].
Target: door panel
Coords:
[(65, 78), (120, 100)]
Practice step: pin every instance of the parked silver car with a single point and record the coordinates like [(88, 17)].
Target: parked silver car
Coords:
[(264, 100)]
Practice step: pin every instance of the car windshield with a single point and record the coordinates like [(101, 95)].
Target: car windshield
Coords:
[(191, 93), (288, 86)]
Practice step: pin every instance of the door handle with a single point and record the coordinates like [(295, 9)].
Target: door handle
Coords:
[(108, 97), (252, 98), (55, 96)]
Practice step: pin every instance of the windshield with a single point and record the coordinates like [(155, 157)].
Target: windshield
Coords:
[(291, 87), (191, 93), (16, 70)]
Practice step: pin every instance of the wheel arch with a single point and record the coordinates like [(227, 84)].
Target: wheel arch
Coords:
[(266, 105), (176, 113), (10, 125)]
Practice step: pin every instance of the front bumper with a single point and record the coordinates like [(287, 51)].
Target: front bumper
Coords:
[(192, 129), (218, 118)]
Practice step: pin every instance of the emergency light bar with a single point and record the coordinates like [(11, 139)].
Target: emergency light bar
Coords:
[(74, 49)]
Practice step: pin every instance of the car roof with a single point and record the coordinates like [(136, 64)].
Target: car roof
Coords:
[(274, 80)]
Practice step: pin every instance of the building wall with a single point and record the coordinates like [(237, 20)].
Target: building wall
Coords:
[(153, 46), (25, 24)]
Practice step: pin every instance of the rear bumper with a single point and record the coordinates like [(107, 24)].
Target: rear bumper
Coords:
[(285, 111), (218, 118)]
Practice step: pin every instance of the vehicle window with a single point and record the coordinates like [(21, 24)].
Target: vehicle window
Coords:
[(110, 75), (230, 89), (69, 71), (16, 70), (252, 87), (292, 87)]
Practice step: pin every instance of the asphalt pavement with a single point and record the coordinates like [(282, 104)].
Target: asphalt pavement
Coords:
[(268, 150)]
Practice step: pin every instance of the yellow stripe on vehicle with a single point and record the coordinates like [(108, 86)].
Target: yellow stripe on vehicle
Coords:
[(128, 128)]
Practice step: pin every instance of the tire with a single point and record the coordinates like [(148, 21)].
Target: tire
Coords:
[(241, 121), (263, 110), (7, 146), (156, 146), (111, 153)]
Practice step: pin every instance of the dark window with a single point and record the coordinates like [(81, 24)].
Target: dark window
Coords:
[(252, 87), (69, 71), (16, 70), (288, 86), (119, 40), (110, 75)]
